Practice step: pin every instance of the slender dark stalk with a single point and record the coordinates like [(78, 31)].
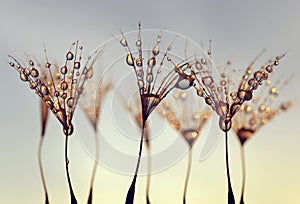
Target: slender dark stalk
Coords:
[(131, 191), (230, 192), (73, 198), (149, 174), (41, 168), (243, 173), (90, 198), (188, 171)]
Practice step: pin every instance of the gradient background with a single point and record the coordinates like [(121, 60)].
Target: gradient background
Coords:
[(239, 30)]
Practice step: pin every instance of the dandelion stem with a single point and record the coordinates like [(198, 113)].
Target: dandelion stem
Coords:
[(188, 171), (230, 192), (41, 167), (243, 173), (149, 174), (131, 191), (73, 199), (90, 198)]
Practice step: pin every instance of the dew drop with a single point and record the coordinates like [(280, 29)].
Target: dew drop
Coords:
[(123, 42), (64, 85), (198, 65), (89, 74), (139, 62), (223, 82), (74, 81), (140, 73), (48, 65), (76, 65), (258, 75), (64, 96), (34, 72), (203, 61), (68, 130), (33, 85), (79, 90), (12, 64), (276, 62), (138, 43), (129, 59), (44, 89), (225, 123), (207, 81), (151, 62), (31, 63), (23, 76), (169, 47), (200, 92), (70, 102), (183, 83), (149, 77), (49, 104), (56, 93), (269, 68), (64, 70), (155, 50), (208, 101), (140, 83)]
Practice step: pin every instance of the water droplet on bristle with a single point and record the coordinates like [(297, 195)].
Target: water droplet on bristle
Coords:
[(151, 62), (207, 81), (44, 89), (155, 50), (139, 62), (269, 68), (70, 102), (203, 61), (69, 56), (123, 42), (149, 78), (23, 76), (64, 70), (138, 43), (129, 59), (77, 65), (34, 72), (64, 85), (31, 63)]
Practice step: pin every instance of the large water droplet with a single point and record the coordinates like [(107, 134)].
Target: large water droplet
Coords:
[(69, 56), (258, 75), (68, 130), (183, 83), (129, 59), (44, 89), (245, 95), (207, 81), (34, 72), (151, 62), (269, 68), (76, 65), (64, 85), (23, 76), (225, 123), (64, 70)]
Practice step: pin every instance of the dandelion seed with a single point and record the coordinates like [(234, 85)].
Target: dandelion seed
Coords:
[(252, 116), (57, 89), (189, 122)]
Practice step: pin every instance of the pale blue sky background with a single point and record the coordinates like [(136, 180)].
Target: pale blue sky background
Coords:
[(239, 30)]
